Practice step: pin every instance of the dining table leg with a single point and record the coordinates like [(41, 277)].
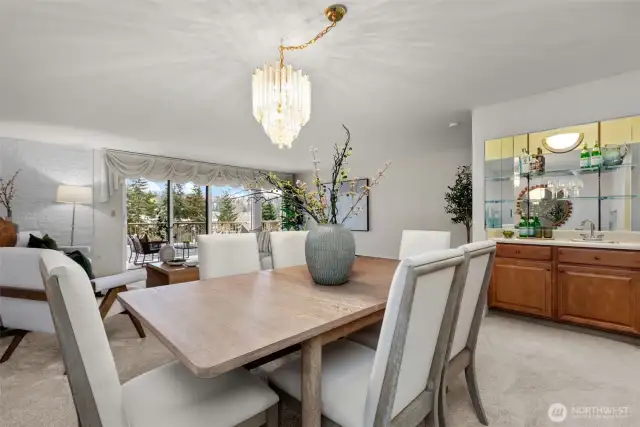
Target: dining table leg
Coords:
[(312, 382)]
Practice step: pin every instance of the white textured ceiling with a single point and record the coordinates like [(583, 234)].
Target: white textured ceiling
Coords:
[(173, 77)]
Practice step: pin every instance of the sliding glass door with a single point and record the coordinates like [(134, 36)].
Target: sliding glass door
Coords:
[(189, 202)]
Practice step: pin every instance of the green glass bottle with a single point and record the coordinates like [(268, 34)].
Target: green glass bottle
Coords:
[(585, 157), (532, 228), (524, 228), (537, 228), (596, 155)]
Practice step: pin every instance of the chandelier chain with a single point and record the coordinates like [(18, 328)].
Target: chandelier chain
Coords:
[(320, 35)]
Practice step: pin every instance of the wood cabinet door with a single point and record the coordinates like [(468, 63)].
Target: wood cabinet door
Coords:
[(605, 298), (522, 286)]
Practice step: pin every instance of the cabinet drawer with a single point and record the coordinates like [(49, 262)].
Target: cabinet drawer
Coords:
[(611, 258), (533, 252)]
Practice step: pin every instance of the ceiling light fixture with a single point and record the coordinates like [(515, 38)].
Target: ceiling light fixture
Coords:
[(563, 142), (282, 95)]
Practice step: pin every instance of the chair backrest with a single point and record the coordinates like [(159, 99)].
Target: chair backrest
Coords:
[(287, 248), (481, 256), (91, 370), (227, 254), (416, 242), (137, 244), (416, 332)]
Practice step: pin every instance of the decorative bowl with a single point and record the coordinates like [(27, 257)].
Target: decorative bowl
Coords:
[(176, 262), (507, 233)]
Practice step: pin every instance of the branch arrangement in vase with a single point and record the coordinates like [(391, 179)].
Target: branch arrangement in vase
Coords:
[(8, 192), (321, 204)]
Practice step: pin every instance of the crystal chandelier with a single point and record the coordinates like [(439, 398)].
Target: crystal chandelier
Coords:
[(282, 95)]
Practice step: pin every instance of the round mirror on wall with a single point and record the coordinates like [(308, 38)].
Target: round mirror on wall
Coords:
[(539, 201)]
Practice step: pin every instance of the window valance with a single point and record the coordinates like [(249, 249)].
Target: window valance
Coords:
[(117, 166)]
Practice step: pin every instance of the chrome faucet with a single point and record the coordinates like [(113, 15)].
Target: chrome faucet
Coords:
[(592, 231)]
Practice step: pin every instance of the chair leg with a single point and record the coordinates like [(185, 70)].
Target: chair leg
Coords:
[(137, 325), (135, 261), (472, 385), (442, 404), (433, 418), (13, 345), (273, 416), (109, 299)]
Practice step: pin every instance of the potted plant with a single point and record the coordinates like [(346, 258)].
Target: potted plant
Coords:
[(459, 200), (330, 247)]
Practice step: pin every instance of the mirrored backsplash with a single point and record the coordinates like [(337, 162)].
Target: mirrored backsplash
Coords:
[(598, 180)]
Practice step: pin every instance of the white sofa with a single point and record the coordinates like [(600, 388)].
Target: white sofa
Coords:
[(23, 305)]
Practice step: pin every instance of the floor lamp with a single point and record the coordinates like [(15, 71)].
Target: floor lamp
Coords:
[(74, 194)]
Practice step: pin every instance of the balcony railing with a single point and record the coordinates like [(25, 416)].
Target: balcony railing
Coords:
[(188, 231), (230, 227), (153, 230)]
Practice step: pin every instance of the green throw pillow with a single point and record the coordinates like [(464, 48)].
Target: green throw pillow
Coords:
[(45, 242), (83, 262), (50, 243)]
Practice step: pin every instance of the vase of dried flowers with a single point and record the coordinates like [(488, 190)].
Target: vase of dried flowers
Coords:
[(330, 248), (7, 193)]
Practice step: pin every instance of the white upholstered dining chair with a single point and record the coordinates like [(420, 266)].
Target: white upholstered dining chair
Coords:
[(227, 254), (168, 396), (413, 242), (397, 384), (416, 242), (481, 256), (288, 248)]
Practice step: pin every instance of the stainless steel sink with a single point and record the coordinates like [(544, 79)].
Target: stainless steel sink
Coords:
[(592, 237), (587, 240)]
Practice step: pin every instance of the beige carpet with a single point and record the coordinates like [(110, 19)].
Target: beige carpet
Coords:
[(523, 368)]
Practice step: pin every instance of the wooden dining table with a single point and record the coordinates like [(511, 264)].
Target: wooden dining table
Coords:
[(217, 325)]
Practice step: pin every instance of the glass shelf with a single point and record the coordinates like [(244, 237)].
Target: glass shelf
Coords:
[(497, 202), (562, 172), (615, 197)]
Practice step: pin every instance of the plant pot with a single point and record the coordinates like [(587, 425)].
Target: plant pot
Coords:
[(330, 251)]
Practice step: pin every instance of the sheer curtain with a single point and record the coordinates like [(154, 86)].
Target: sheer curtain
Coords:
[(117, 166)]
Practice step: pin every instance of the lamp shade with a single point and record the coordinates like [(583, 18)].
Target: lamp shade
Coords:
[(74, 194)]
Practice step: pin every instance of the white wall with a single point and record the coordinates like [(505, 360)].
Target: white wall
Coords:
[(109, 251), (609, 98), (411, 195), (42, 168)]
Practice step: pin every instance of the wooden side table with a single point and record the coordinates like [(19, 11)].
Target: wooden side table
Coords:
[(160, 274)]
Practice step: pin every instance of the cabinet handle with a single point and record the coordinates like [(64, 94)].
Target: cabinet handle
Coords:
[(517, 251), (596, 257)]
